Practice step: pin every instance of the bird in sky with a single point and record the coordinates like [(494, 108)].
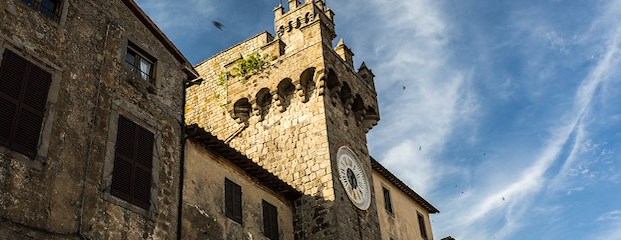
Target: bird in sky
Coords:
[(420, 148), (403, 88), (218, 25)]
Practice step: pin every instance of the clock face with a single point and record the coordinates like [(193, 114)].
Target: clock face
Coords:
[(353, 177)]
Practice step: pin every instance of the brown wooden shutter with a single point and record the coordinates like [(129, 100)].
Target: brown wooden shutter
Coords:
[(270, 221), (132, 173), (23, 95), (233, 204)]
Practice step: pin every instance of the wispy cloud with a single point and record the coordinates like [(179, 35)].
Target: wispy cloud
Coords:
[(520, 194), (422, 94)]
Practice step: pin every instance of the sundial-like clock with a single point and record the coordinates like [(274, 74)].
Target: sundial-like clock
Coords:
[(353, 177)]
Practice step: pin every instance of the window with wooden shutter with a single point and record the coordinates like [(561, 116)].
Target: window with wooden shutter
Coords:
[(270, 221), (387, 200), (23, 96), (233, 204), (131, 174)]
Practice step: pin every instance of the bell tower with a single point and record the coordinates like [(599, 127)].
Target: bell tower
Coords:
[(297, 106)]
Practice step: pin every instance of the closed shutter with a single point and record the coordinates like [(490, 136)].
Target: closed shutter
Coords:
[(131, 175), (233, 204), (270, 221), (23, 95)]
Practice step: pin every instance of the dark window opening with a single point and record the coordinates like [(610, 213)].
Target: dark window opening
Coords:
[(423, 228), (139, 62), (131, 174), (49, 8), (270, 221), (233, 204), (23, 95), (387, 201)]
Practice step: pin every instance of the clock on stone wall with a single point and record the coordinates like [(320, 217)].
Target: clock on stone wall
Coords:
[(353, 177)]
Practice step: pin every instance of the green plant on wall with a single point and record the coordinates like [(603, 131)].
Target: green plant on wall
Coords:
[(245, 67), (250, 65)]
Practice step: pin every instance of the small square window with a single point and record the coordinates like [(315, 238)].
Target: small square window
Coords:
[(49, 8), (138, 61), (270, 221), (233, 203)]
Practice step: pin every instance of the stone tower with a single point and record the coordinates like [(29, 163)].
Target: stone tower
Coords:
[(290, 102)]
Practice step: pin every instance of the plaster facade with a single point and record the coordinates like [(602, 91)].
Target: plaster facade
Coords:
[(402, 223), (204, 216)]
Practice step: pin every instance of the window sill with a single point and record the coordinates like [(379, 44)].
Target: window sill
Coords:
[(10, 154), (148, 214), (139, 83)]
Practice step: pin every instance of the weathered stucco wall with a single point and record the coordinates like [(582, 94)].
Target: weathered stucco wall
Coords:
[(203, 207), (85, 50), (403, 222)]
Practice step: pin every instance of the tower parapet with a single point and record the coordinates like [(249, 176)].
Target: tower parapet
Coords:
[(289, 102)]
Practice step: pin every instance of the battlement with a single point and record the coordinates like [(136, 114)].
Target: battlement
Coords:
[(304, 24)]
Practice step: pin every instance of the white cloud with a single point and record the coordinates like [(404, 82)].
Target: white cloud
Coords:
[(485, 208), (405, 44), (614, 215)]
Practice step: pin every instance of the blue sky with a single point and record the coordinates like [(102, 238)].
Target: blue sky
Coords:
[(514, 104)]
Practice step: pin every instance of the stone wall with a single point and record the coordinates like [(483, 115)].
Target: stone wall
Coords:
[(297, 134), (84, 50)]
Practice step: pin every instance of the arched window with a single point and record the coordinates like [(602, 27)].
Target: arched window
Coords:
[(242, 110), (264, 102), (285, 93), (307, 83)]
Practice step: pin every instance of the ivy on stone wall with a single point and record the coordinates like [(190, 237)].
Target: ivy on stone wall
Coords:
[(245, 67)]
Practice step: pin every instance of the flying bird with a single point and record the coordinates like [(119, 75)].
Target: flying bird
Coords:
[(403, 88), (218, 25), (420, 148)]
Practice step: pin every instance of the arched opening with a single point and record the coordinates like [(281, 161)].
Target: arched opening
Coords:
[(345, 94), (264, 102), (242, 110), (332, 82), (285, 93), (358, 108), (307, 83)]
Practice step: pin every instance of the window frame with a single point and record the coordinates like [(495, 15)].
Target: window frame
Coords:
[(134, 67), (422, 226), (38, 6), (41, 151), (145, 120), (233, 206), (388, 206), (135, 138), (270, 220)]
